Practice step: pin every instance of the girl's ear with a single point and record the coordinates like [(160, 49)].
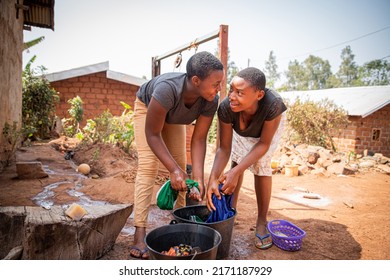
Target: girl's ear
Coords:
[(260, 94)]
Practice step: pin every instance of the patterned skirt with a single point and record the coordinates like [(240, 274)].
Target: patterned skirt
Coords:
[(242, 145)]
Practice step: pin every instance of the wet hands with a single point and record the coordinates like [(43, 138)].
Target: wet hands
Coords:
[(178, 183), (194, 194), (178, 180)]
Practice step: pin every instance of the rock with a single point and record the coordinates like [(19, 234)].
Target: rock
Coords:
[(367, 164), (313, 157), (30, 170), (336, 168), (84, 168), (384, 168), (303, 169), (384, 160), (320, 172), (336, 158), (326, 163), (51, 235), (284, 160), (378, 156), (324, 154), (297, 161)]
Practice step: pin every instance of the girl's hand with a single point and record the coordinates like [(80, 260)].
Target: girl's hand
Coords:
[(196, 194), (229, 181), (212, 189)]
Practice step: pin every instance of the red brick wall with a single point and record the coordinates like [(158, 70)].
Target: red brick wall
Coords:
[(97, 92), (358, 136)]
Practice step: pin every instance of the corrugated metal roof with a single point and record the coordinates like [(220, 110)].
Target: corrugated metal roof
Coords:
[(40, 13), (357, 101), (95, 68)]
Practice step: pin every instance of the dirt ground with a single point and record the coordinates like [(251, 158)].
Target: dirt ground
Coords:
[(348, 222)]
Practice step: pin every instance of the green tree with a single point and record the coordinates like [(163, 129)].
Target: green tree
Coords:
[(375, 73), (271, 70), (348, 70), (295, 74), (313, 73), (317, 72)]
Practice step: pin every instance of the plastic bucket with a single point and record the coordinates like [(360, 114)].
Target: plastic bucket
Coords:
[(165, 237), (225, 227)]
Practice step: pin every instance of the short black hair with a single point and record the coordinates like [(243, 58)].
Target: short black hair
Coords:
[(202, 64), (253, 75)]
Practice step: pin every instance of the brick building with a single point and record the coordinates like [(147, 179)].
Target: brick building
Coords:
[(368, 111), (98, 87)]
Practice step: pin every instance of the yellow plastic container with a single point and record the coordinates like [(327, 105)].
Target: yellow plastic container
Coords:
[(291, 170), (274, 164)]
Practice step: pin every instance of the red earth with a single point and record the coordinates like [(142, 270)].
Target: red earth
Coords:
[(349, 221)]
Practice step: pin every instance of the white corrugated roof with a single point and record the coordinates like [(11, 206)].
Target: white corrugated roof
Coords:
[(95, 68), (357, 101)]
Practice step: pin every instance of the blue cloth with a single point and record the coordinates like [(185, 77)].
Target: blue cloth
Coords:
[(223, 208)]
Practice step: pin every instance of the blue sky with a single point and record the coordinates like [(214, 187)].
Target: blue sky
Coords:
[(129, 33)]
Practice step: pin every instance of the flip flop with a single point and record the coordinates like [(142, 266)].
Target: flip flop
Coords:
[(263, 245), (141, 253)]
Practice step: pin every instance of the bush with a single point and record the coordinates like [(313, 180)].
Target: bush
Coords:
[(106, 128), (39, 100), (76, 111), (312, 122)]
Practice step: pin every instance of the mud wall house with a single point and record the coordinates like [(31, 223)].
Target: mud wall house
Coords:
[(368, 110), (99, 88), (16, 16)]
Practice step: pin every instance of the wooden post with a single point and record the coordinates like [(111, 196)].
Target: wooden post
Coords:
[(223, 50), (156, 67)]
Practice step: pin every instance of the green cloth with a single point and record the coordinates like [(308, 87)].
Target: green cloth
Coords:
[(166, 196)]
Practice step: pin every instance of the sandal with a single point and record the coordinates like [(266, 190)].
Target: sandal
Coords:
[(141, 254), (262, 245)]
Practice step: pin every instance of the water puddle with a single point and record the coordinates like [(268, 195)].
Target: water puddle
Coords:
[(45, 198), (300, 199)]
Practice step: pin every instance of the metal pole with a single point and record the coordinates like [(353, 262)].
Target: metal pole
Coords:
[(196, 42)]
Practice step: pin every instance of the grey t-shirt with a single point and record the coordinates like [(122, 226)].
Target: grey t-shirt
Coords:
[(167, 89), (270, 106)]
